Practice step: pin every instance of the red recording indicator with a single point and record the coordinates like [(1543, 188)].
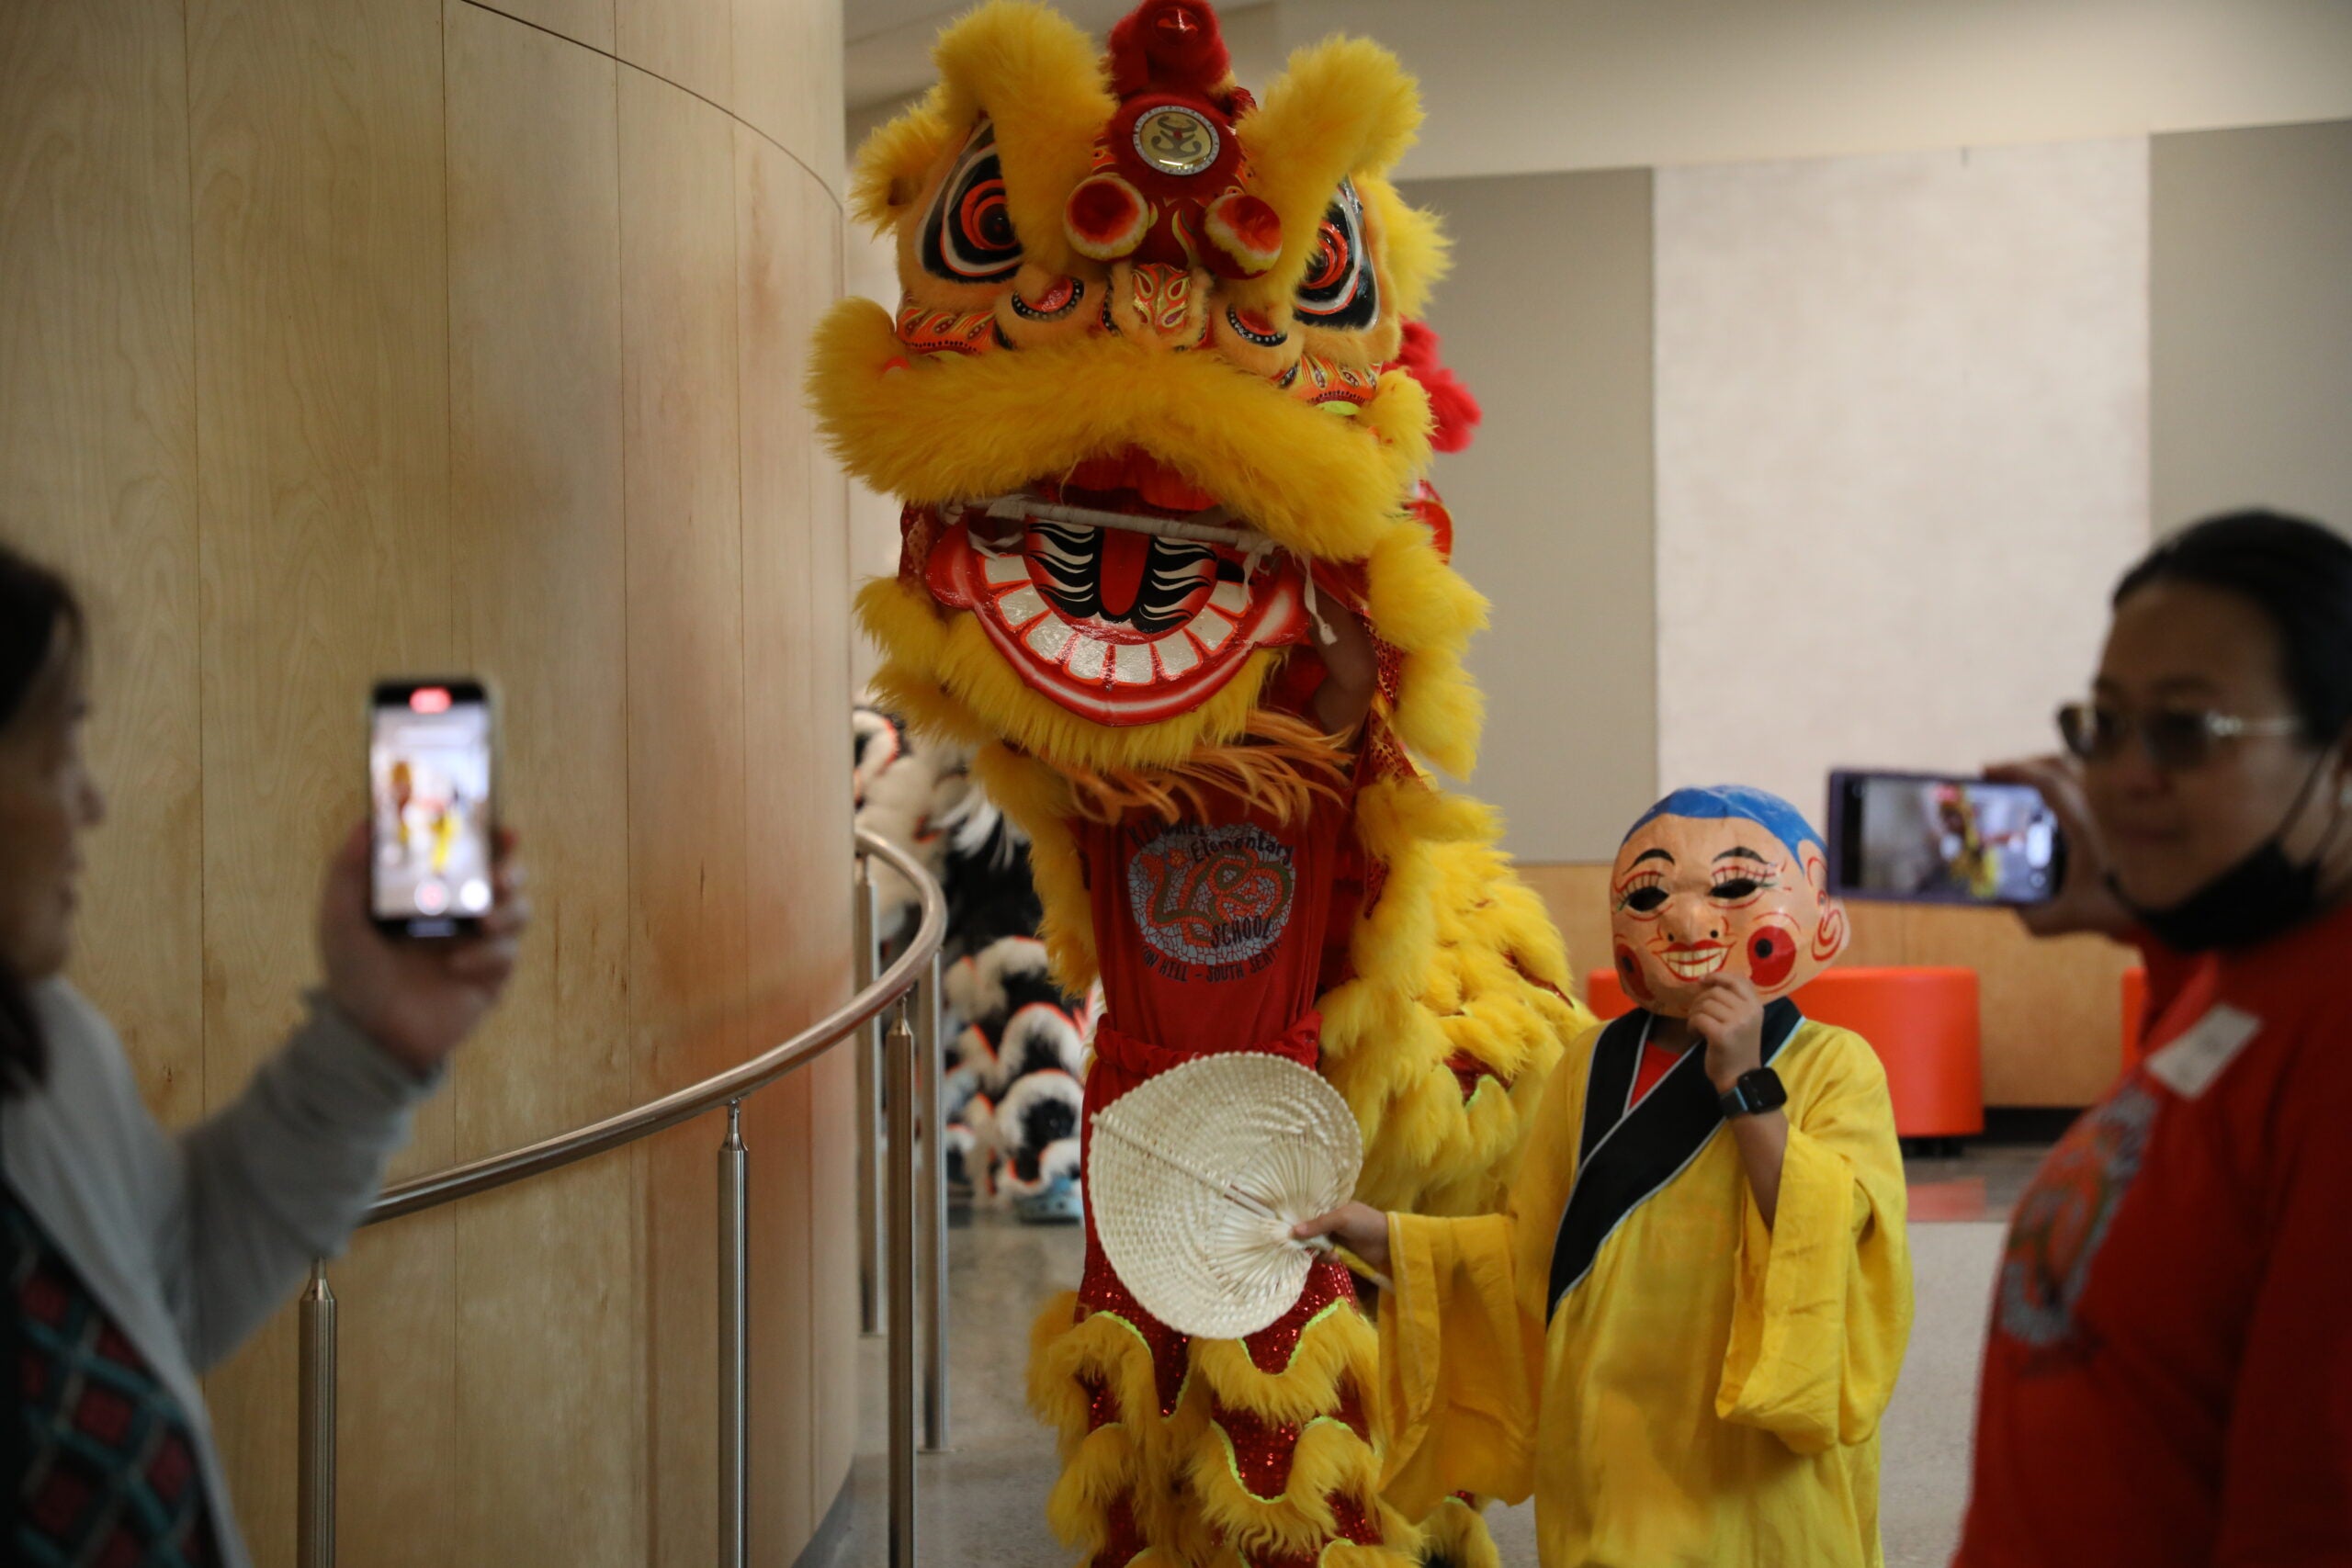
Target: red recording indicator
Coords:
[(429, 699)]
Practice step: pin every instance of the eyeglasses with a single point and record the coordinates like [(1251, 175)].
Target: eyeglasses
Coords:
[(2175, 739)]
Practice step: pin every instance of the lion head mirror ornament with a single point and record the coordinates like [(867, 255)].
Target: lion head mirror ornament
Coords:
[(1727, 880)]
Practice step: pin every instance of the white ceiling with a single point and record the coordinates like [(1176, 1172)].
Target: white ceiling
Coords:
[(1516, 86)]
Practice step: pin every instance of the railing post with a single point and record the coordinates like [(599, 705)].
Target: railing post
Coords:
[(734, 1344), (931, 1062), (902, 1291), (868, 1049), (314, 1496)]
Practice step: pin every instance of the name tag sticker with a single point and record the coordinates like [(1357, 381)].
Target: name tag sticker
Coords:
[(2189, 1064)]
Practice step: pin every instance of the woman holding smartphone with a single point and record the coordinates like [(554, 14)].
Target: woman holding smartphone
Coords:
[(135, 1259), (2168, 1376)]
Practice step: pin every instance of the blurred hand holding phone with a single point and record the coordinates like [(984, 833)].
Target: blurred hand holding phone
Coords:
[(433, 823), (1937, 839)]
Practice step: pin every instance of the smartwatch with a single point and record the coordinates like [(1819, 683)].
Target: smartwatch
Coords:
[(1755, 1093)]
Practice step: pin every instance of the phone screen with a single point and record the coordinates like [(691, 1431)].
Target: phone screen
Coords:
[(429, 777), (1926, 838)]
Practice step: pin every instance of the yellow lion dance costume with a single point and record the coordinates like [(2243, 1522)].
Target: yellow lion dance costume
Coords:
[(1161, 468)]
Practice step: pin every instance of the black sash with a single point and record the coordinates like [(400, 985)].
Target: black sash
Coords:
[(1627, 1157)]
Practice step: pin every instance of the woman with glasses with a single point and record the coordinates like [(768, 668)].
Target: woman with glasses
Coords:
[(2168, 1376)]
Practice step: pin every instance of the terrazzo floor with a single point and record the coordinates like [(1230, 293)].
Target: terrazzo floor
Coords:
[(983, 1501)]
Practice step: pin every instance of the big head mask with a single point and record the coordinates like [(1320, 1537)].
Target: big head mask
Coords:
[(1723, 881)]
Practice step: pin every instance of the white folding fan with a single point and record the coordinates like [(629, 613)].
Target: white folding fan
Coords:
[(1196, 1177)]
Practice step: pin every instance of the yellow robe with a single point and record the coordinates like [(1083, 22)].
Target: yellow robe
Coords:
[(1708, 1389)]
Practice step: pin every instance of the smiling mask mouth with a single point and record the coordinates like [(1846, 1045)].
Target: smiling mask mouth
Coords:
[(1695, 962), (1121, 592)]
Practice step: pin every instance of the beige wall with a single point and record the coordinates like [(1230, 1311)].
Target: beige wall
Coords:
[(1902, 454), (1547, 318), (1516, 87), (348, 338), (2251, 322)]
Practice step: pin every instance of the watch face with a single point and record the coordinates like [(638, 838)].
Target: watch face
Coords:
[(1762, 1090)]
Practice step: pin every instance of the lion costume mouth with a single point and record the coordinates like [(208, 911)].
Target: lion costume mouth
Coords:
[(1119, 624)]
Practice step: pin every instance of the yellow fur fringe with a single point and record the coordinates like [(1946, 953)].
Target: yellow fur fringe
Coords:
[(1179, 1473), (947, 428), (1030, 793), (894, 165), (1342, 107), (1415, 255), (1338, 1346), (1439, 966), (1455, 1535), (1035, 75), (1328, 1457)]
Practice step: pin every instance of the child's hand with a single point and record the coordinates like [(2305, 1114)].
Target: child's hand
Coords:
[(1359, 1227), (1730, 1017)]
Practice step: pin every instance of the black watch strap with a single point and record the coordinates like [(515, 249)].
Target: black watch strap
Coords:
[(1755, 1093)]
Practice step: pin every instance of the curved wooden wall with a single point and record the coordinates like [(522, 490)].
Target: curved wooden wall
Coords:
[(349, 336)]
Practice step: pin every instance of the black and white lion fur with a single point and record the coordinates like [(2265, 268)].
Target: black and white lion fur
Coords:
[(1016, 1042)]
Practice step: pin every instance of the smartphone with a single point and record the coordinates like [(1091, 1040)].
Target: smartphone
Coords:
[(1928, 839), (433, 825)]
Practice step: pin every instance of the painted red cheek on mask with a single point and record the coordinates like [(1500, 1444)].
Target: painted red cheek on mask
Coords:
[(1629, 975), (1771, 957)]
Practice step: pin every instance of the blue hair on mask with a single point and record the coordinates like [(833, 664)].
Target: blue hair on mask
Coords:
[(1735, 803)]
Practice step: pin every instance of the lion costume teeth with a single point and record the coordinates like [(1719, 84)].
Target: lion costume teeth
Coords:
[(1149, 409)]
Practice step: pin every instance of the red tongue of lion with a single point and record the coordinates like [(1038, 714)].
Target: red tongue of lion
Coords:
[(1125, 554), (1151, 481)]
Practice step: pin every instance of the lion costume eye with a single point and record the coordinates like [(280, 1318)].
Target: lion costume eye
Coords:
[(967, 235), (1340, 289)]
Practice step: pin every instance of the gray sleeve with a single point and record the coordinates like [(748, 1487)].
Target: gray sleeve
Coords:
[(279, 1178)]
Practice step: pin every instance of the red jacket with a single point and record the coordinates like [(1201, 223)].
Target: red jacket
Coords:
[(2168, 1376)]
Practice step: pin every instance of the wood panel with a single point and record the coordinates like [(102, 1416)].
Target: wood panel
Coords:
[(373, 337), (549, 1275), (582, 21), (686, 759), (321, 397), (2052, 1010), (788, 81), (97, 473), (833, 1149), (776, 254), (689, 43)]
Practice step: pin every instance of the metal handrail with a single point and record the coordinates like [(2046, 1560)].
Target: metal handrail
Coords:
[(684, 1105), (913, 1033)]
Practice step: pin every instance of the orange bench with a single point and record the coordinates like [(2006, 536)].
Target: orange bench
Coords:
[(1921, 1022)]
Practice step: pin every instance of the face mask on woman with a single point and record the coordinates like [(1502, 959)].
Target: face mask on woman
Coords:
[(2260, 896)]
